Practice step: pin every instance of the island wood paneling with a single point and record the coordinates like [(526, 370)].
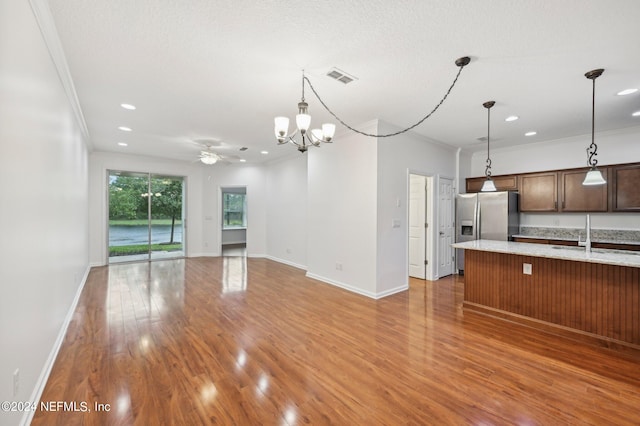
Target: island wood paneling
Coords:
[(602, 300)]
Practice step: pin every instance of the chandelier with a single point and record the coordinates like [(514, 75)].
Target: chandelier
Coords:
[(316, 137), (303, 121)]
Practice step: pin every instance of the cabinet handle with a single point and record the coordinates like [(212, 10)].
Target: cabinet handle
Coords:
[(555, 205)]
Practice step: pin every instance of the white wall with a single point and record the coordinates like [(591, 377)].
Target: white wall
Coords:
[(234, 236), (342, 205), (287, 223), (44, 214), (614, 147), (214, 178), (397, 157)]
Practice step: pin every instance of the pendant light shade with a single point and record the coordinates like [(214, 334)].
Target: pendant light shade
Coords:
[(488, 185), (594, 176)]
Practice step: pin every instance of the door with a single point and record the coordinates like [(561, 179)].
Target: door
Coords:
[(167, 216), (146, 216), (417, 226), (445, 227)]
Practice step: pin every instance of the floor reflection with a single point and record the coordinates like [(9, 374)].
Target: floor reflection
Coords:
[(234, 274)]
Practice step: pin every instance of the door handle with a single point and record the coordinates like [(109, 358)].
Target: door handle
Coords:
[(441, 233)]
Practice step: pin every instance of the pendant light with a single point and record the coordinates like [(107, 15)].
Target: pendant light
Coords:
[(488, 185), (594, 176)]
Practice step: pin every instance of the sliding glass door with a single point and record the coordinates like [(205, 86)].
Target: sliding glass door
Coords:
[(146, 216)]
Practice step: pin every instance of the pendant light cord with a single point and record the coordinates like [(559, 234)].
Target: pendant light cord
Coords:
[(592, 150), (487, 170), (461, 63)]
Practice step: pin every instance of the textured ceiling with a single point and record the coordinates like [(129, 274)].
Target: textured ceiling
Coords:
[(221, 70)]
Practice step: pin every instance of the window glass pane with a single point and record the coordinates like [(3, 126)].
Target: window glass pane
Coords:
[(233, 210)]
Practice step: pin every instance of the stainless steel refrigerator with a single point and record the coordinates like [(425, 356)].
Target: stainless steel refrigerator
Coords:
[(485, 216)]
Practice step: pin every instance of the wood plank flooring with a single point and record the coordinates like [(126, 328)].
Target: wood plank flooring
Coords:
[(236, 341)]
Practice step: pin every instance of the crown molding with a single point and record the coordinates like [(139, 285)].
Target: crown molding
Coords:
[(47, 26)]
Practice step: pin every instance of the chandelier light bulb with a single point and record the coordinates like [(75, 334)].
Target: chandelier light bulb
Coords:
[(281, 127), (303, 121)]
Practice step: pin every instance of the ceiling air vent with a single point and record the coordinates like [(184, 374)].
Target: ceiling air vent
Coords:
[(341, 76)]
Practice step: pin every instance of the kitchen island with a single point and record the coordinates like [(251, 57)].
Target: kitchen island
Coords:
[(592, 296)]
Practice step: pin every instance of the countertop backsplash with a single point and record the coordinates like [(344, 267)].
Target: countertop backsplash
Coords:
[(573, 234)]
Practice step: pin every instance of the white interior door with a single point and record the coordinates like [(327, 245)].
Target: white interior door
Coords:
[(417, 226), (445, 227)]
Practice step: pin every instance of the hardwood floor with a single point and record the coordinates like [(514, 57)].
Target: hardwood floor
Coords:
[(237, 341)]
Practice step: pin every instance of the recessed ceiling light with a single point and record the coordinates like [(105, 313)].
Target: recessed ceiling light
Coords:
[(511, 118), (123, 144), (264, 152), (124, 129), (627, 92), (636, 114), (242, 160), (128, 106), (531, 133)]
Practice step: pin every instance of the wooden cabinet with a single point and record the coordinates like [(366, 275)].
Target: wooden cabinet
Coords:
[(575, 197), (539, 192), (562, 190), (625, 184), (502, 183)]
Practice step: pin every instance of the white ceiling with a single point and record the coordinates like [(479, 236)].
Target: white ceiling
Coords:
[(221, 70)]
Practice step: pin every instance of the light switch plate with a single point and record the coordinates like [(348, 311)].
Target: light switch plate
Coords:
[(526, 268)]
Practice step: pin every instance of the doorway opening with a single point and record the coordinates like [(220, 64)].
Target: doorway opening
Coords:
[(420, 226), (233, 240), (145, 217)]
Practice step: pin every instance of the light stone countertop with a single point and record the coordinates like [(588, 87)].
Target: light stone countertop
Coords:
[(579, 254)]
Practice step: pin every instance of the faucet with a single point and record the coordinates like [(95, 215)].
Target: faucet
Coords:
[(586, 243)]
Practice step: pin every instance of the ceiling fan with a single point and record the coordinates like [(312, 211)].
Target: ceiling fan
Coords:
[(207, 155)]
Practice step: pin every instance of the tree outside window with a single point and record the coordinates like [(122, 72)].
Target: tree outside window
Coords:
[(234, 210)]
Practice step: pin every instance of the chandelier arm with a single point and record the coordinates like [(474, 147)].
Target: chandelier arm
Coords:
[(461, 66)]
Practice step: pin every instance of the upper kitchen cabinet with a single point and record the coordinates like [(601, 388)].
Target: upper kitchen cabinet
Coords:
[(502, 183), (539, 192), (576, 197), (625, 184)]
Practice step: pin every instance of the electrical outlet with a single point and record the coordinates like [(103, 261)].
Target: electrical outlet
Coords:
[(288, 251), (338, 266), (16, 382), (526, 268)]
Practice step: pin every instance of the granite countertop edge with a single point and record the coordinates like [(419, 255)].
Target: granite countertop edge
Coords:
[(596, 240), (554, 252)]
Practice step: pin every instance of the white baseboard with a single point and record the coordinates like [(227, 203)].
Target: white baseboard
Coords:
[(398, 289), (341, 285), (48, 365), (359, 290), (203, 255), (286, 262)]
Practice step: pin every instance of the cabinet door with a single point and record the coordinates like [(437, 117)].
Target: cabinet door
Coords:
[(625, 195), (539, 192), (579, 198), (502, 183)]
